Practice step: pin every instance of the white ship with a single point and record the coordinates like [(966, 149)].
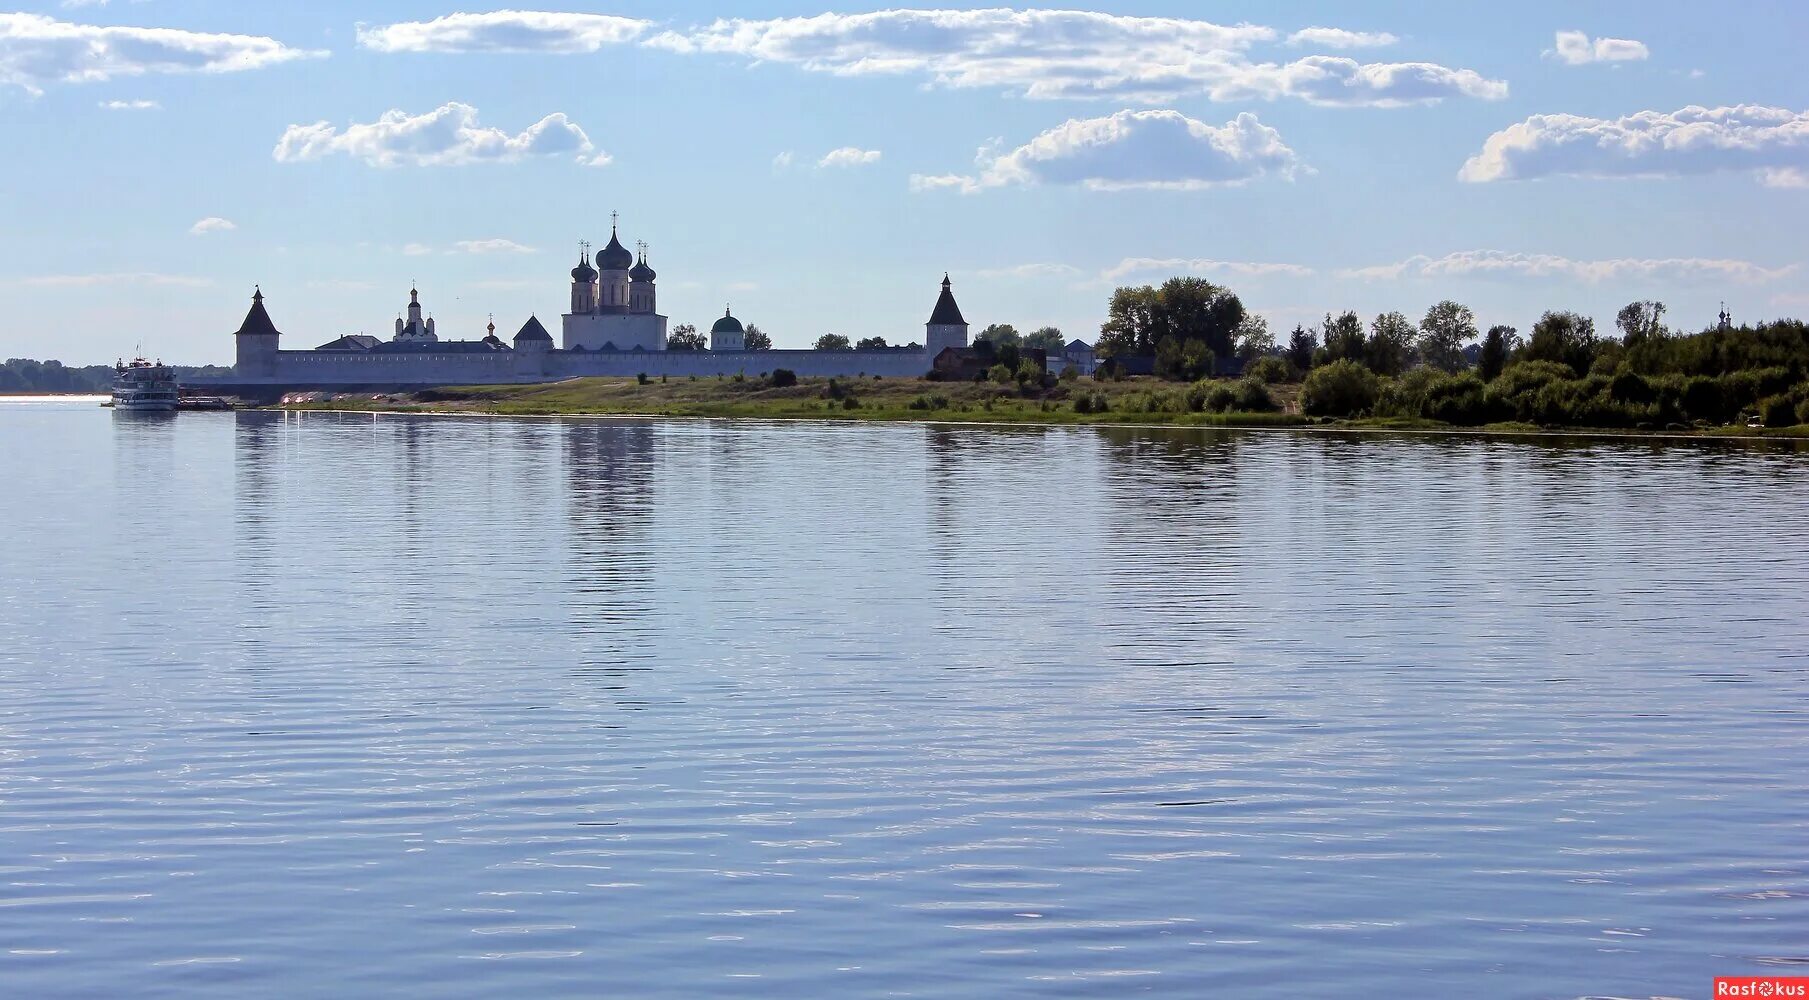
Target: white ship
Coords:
[(144, 385)]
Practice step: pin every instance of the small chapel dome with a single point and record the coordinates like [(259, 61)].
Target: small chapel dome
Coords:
[(641, 272), (584, 272), (727, 324)]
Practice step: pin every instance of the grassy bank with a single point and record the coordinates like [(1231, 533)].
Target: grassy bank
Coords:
[(1084, 401)]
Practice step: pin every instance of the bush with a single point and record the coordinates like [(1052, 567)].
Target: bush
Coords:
[(1702, 399), (783, 378), (1068, 374), (1340, 389), (1629, 387), (1405, 395), (850, 403), (1251, 396), (641, 378), (1001, 375), (1778, 411), (934, 401), (1092, 402), (1802, 409), (1030, 373), (1456, 399), (1270, 369)]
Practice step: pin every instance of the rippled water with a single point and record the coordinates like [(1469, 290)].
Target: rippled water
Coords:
[(337, 705)]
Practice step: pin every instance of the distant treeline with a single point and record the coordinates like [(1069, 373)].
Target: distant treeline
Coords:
[(26, 375), (1563, 373)]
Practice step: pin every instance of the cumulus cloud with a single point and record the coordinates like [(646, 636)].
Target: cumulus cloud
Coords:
[(1574, 48), (1773, 143), (37, 50), (504, 31), (492, 246), (212, 224), (1496, 263), (849, 156), (131, 105), (783, 160), (1338, 38), (1162, 150), (1201, 265), (416, 250), (448, 135), (1076, 54)]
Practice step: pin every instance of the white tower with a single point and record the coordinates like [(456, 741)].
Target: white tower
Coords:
[(415, 330), (584, 285), (946, 328), (613, 263)]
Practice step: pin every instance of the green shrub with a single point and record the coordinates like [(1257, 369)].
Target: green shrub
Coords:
[(1802, 409), (783, 378), (934, 401), (641, 378), (1405, 395), (1269, 370), (850, 403), (1778, 411), (1629, 387), (1340, 389), (1092, 402), (1068, 374), (1249, 395), (1457, 399), (1000, 374)]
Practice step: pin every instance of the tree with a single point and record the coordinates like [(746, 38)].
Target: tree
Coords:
[(755, 339), (685, 338), (1444, 331), (870, 344), (833, 342), (1183, 308), (1183, 360), (1046, 338), (1564, 338), (1640, 322), (1253, 338), (1497, 346), (1001, 335), (1344, 340), (1301, 345), (1390, 347)]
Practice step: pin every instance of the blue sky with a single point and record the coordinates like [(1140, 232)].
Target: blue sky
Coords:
[(1514, 157)]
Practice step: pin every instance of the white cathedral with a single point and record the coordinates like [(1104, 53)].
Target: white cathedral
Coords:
[(613, 303)]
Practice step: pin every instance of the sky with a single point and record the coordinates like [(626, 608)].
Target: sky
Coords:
[(818, 170)]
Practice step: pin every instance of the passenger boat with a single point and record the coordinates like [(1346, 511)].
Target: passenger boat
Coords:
[(144, 385)]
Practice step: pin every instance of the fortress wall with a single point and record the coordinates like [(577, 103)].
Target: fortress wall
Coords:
[(897, 363)]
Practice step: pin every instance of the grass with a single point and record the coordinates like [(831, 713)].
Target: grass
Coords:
[(907, 399)]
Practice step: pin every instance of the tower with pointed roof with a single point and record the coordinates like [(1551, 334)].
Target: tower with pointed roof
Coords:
[(256, 342), (946, 327)]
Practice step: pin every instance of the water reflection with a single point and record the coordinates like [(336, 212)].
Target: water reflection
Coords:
[(702, 708)]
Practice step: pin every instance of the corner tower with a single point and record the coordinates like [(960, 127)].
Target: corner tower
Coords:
[(256, 342), (946, 328)]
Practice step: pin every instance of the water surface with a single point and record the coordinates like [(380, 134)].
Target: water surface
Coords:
[(320, 705)]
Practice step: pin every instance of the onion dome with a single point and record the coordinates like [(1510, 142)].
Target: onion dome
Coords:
[(615, 256), (640, 271), (727, 324), (532, 330), (584, 273)]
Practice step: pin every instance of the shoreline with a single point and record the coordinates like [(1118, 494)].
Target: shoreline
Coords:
[(1351, 428)]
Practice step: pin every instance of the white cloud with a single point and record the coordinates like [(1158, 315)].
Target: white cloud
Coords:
[(37, 50), (137, 278), (131, 105), (1784, 177), (416, 250), (504, 31), (783, 161), (492, 246), (1198, 265), (1041, 270), (1338, 38), (1772, 142), (448, 135), (1496, 263), (212, 224), (1076, 54), (1574, 48), (1162, 150), (849, 156)]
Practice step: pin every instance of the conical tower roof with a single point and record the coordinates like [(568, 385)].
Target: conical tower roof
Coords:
[(257, 321), (947, 313)]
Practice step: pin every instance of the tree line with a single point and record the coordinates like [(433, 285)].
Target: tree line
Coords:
[(1563, 372)]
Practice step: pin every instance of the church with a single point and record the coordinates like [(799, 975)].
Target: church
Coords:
[(613, 328)]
